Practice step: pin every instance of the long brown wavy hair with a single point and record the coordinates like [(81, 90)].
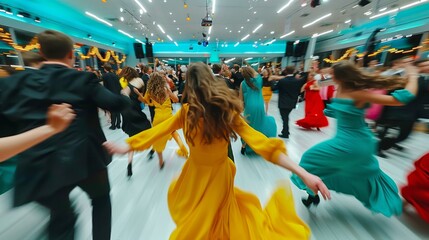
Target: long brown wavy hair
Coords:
[(129, 73), (211, 101), (156, 87), (351, 78), (248, 74)]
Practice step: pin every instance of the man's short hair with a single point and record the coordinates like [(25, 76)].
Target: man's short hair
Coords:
[(31, 58), (216, 68), (236, 67), (107, 67), (54, 45), (290, 69)]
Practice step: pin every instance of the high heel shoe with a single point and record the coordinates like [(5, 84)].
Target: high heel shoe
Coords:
[(311, 200), (161, 166), (318, 129), (130, 169), (243, 150), (150, 155)]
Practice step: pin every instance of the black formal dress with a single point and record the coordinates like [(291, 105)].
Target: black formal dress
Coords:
[(48, 172), (111, 82), (289, 89), (135, 120)]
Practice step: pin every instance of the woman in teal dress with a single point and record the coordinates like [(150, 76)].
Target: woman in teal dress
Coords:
[(347, 163), (254, 110)]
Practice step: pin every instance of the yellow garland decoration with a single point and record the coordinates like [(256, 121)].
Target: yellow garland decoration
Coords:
[(348, 53), (7, 38)]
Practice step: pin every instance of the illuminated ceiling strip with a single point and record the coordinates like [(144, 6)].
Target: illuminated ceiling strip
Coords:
[(129, 35), (235, 45), (160, 28), (214, 6), (384, 13), (140, 42), (412, 4), (285, 6), (169, 38), (287, 34), (210, 30), (245, 37), (258, 27), (315, 21), (323, 33), (99, 19), (140, 5)]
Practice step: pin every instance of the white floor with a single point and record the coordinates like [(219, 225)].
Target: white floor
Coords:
[(140, 204)]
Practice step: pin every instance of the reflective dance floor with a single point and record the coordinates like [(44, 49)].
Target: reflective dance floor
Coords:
[(140, 204)]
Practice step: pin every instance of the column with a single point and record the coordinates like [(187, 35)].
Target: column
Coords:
[(309, 53)]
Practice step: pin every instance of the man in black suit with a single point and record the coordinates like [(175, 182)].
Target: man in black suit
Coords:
[(216, 68), (48, 172), (237, 76), (289, 88), (111, 82)]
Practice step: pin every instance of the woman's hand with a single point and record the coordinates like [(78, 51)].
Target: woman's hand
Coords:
[(315, 184), (60, 116), (115, 149)]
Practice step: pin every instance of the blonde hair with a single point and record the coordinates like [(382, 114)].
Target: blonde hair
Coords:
[(210, 101), (156, 87), (248, 74), (351, 78)]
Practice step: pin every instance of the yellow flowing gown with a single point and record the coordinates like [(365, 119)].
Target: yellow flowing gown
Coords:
[(203, 201)]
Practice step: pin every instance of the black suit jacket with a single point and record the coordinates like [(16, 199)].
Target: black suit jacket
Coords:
[(67, 157), (289, 89), (111, 82)]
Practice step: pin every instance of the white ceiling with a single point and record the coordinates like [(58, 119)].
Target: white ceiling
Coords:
[(232, 20)]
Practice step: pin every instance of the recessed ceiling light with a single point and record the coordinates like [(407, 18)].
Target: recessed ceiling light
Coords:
[(226, 28), (368, 13), (242, 27), (347, 21), (304, 4), (272, 32), (121, 9), (285, 6), (239, 31), (382, 9), (122, 19), (355, 6), (171, 13), (180, 32), (165, 0), (248, 20), (174, 20), (151, 34), (254, 12), (230, 30), (265, 36), (178, 28), (141, 11), (153, 22)]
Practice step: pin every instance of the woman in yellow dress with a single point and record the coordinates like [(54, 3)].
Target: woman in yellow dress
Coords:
[(159, 95), (203, 201), (267, 93)]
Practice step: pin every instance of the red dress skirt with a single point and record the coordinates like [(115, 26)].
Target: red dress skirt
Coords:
[(314, 117), (417, 190)]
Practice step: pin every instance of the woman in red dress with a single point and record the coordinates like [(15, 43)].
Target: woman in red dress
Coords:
[(417, 191), (314, 117)]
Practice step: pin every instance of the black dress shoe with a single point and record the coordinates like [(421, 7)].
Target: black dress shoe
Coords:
[(112, 127), (381, 154), (283, 136), (243, 150), (130, 169), (118, 127), (397, 147), (311, 200)]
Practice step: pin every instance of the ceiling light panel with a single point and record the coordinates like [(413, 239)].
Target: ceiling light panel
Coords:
[(99, 19), (285, 6), (384, 13), (317, 20), (257, 28), (140, 5)]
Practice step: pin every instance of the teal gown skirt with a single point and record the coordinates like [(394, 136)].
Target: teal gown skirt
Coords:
[(347, 164)]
